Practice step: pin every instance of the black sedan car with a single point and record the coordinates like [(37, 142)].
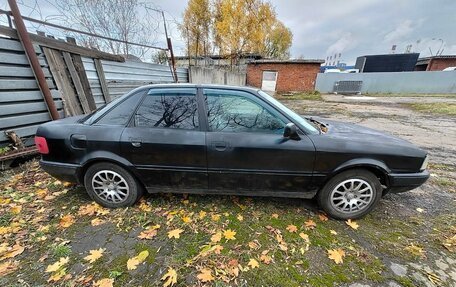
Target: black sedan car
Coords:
[(204, 139)]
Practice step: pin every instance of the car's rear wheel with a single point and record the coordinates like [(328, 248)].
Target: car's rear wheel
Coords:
[(350, 194), (111, 185)]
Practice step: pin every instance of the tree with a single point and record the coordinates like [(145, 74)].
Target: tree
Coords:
[(126, 20), (235, 27), (159, 57), (196, 27)]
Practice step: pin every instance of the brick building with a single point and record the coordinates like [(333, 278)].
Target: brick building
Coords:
[(283, 75), (435, 63)]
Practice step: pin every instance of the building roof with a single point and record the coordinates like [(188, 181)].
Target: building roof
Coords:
[(426, 60), (217, 57), (293, 61)]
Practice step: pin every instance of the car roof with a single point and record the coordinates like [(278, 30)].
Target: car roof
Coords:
[(212, 86)]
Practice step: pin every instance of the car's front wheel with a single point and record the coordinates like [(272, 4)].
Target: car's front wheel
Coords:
[(350, 194), (111, 185)]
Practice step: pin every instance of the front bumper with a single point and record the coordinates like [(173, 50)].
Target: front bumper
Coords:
[(62, 171), (400, 182)]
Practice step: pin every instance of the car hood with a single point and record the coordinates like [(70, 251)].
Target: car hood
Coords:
[(354, 132)]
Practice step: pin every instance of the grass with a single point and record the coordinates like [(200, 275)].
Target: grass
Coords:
[(434, 108), (258, 222), (309, 96), (410, 95)]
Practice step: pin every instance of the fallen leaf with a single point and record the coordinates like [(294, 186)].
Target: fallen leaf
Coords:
[(57, 265), (66, 221), (265, 258), (105, 282), (333, 232), (133, 262), (202, 214), (310, 224), (323, 217), (352, 224), (434, 278), (186, 219), (13, 252), (150, 232), (229, 234), (56, 276), (337, 255), (254, 245), (97, 221), (304, 236), (169, 277), (415, 250), (450, 243), (15, 209), (175, 233), (253, 263), (420, 210), (275, 215), (7, 267), (94, 255), (216, 237), (292, 228), (215, 217), (240, 217), (205, 275)]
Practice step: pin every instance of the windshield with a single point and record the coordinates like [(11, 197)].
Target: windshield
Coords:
[(297, 118)]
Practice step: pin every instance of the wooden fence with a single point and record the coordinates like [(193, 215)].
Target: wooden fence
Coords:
[(80, 80)]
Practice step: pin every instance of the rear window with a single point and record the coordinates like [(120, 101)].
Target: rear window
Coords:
[(119, 115)]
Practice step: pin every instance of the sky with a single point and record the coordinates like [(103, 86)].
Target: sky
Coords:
[(324, 28)]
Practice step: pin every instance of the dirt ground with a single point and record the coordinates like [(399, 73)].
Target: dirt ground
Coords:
[(52, 234)]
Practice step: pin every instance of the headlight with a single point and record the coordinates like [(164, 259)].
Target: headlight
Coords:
[(425, 163)]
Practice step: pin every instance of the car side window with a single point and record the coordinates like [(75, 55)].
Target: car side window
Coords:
[(235, 111), (121, 113), (168, 108)]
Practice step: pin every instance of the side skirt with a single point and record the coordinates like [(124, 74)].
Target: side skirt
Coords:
[(307, 195)]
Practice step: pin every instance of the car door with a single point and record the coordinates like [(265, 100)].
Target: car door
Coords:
[(165, 143), (246, 150)]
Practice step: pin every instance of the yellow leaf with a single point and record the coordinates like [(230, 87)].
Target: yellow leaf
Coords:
[(16, 209), (253, 263), (133, 262), (333, 232), (202, 214), (94, 255), (229, 234), (216, 237), (97, 221), (56, 276), (254, 245), (205, 275), (186, 219), (310, 224), (66, 221), (218, 249), (304, 236), (105, 282), (352, 224), (7, 267), (215, 217), (175, 233), (292, 228), (240, 217), (143, 206), (275, 215), (337, 255), (13, 252), (148, 234), (41, 193), (415, 250), (265, 258), (57, 265), (169, 277)]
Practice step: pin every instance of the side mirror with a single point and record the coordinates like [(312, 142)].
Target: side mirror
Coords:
[(291, 132)]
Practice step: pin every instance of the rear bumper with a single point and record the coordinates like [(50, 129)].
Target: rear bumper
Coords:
[(400, 182), (62, 171)]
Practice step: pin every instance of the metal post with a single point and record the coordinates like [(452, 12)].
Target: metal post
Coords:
[(33, 59)]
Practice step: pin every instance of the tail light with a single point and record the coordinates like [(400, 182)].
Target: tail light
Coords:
[(41, 145)]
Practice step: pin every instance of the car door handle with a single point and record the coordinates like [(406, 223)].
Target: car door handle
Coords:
[(219, 146), (136, 142)]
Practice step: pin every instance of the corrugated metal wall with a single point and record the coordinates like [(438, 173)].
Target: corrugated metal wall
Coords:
[(22, 107), (124, 77)]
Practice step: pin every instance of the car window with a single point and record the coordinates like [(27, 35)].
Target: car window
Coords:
[(236, 111), (121, 113), (168, 108)]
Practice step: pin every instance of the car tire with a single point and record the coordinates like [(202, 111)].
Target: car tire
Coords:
[(350, 194), (111, 185)]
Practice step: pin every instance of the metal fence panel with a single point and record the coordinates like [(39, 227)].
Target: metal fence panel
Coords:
[(429, 82)]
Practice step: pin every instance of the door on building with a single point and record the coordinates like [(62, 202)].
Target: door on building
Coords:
[(269, 81)]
